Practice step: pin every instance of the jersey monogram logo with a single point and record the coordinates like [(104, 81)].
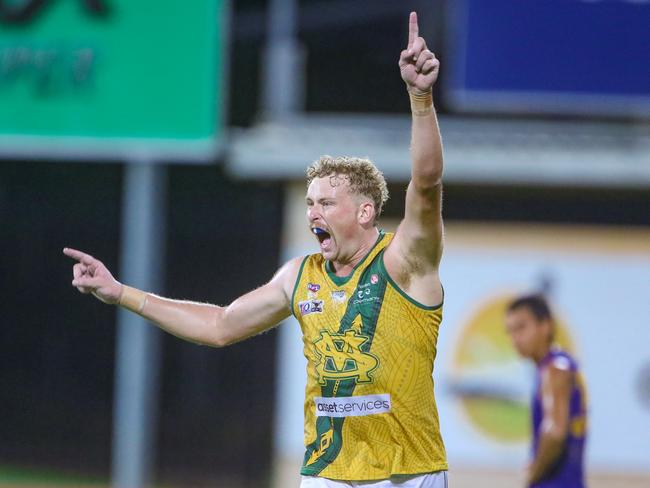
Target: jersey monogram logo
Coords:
[(341, 357)]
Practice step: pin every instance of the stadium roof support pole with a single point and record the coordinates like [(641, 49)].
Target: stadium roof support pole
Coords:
[(138, 343), (283, 86)]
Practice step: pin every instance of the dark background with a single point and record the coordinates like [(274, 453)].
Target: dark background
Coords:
[(222, 239), (56, 370)]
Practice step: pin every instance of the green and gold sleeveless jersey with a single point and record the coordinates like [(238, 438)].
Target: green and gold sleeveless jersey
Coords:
[(369, 407)]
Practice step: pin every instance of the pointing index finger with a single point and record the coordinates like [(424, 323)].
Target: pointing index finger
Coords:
[(413, 28), (78, 255)]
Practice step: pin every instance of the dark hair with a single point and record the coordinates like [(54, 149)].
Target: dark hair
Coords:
[(537, 305)]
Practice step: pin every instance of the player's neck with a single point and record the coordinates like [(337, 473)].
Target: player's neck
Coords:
[(344, 266), (540, 354)]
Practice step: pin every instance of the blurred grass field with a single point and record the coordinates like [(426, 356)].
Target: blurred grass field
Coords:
[(17, 476), (23, 477), (286, 476), (30, 477)]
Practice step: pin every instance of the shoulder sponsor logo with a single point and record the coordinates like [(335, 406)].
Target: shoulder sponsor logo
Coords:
[(354, 406), (313, 287), (310, 306), (374, 279)]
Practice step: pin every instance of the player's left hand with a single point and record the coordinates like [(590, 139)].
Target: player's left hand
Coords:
[(418, 66)]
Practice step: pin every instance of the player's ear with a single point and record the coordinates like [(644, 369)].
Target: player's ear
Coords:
[(549, 329), (366, 213)]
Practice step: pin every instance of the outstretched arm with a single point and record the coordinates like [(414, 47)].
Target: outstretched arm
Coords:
[(201, 323), (413, 257)]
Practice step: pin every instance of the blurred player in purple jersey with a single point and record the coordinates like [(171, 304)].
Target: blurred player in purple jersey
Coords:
[(558, 404)]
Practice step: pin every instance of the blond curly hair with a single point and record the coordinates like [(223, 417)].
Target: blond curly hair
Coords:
[(363, 176)]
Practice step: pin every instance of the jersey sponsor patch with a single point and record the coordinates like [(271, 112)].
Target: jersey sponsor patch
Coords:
[(310, 306), (354, 406), (365, 293), (339, 296), (313, 287)]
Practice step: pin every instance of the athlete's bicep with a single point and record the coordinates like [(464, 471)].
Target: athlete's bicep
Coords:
[(419, 236), (262, 308), (413, 256)]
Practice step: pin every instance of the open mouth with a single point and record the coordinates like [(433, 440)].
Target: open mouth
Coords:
[(324, 237)]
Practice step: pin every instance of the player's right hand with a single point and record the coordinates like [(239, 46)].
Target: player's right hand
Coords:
[(91, 276)]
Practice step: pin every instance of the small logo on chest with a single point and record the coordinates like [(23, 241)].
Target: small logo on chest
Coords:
[(366, 292), (339, 296), (310, 306)]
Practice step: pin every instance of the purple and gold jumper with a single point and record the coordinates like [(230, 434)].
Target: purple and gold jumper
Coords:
[(567, 472)]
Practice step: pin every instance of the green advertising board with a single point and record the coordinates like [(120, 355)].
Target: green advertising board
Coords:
[(111, 76)]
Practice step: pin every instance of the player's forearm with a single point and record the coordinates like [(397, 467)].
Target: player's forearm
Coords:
[(426, 144), (191, 321), (208, 324), (195, 322), (548, 452)]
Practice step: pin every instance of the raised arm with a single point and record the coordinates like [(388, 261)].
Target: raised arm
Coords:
[(201, 323), (414, 255)]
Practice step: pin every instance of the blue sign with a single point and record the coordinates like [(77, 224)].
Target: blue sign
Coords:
[(568, 56)]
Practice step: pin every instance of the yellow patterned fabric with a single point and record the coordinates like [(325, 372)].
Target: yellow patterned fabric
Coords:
[(370, 410)]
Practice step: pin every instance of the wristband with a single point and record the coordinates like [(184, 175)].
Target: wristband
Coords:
[(132, 299), (421, 103)]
